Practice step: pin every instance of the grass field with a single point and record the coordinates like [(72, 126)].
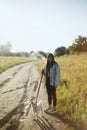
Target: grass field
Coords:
[(72, 91), (7, 62)]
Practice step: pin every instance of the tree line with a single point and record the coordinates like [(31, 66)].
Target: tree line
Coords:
[(79, 45)]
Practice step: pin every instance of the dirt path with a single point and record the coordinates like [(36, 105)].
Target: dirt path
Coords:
[(17, 85)]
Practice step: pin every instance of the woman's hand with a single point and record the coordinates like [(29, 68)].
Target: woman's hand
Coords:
[(42, 71)]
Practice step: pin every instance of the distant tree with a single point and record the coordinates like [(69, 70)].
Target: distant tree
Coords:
[(8, 47), (60, 51), (67, 51), (20, 54), (31, 52), (43, 54), (79, 45), (5, 49), (72, 48)]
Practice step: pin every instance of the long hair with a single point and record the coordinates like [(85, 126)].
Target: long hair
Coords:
[(53, 61)]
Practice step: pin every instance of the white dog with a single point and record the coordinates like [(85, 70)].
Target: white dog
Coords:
[(37, 106)]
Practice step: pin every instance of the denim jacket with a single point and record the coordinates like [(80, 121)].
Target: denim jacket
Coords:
[(54, 75)]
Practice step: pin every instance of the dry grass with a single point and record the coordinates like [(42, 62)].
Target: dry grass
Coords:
[(7, 62), (72, 92)]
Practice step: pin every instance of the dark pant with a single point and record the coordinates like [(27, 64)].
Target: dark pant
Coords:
[(51, 90)]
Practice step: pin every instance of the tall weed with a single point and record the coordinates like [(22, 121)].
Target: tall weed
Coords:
[(72, 91)]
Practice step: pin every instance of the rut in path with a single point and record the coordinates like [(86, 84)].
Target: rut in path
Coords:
[(17, 112), (8, 78), (12, 118)]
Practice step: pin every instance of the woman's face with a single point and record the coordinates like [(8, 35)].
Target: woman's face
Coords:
[(50, 59)]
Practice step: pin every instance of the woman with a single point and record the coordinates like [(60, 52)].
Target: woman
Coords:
[(52, 75)]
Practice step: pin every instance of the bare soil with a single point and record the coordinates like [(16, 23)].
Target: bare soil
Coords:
[(17, 85)]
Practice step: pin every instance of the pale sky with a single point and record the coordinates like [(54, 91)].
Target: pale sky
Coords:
[(33, 25)]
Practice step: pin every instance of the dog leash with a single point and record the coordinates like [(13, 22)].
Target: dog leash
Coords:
[(39, 86)]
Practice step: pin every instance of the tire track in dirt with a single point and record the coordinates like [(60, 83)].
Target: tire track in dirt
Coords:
[(12, 118), (15, 119), (13, 112), (9, 77)]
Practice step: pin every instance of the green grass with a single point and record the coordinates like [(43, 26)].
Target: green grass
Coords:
[(7, 62), (72, 91)]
